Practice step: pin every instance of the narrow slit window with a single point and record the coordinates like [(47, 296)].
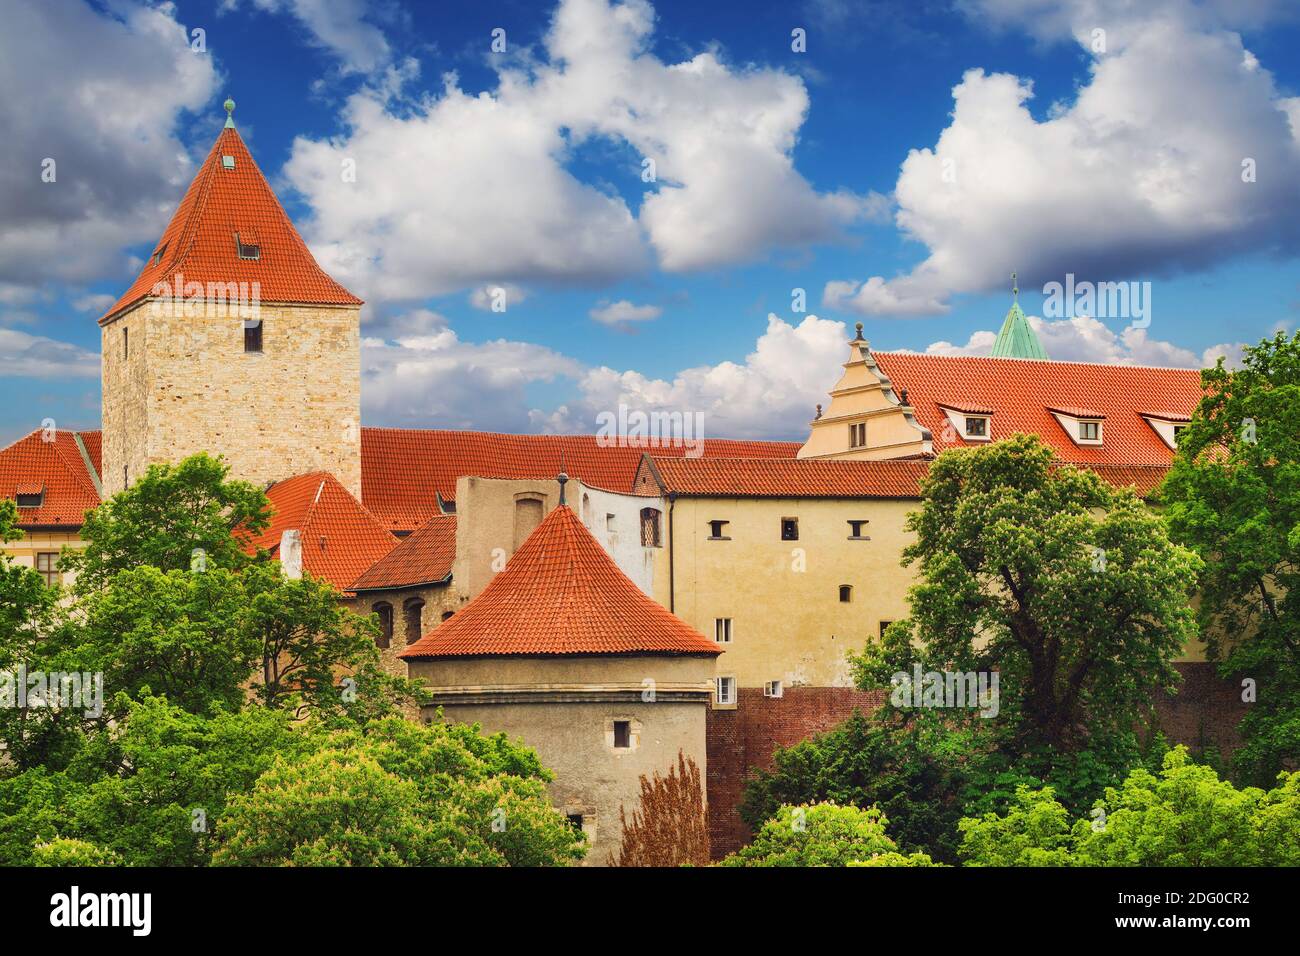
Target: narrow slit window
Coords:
[(650, 528), (253, 335), (126, 343), (385, 614), (858, 435)]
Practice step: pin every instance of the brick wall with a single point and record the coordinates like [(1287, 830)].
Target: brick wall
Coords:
[(1204, 713)]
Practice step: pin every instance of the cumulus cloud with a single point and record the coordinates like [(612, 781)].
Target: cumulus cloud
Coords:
[(337, 26), (771, 394), (1142, 174), (623, 311), (99, 94), (35, 356), (455, 189), (1085, 339), (426, 376)]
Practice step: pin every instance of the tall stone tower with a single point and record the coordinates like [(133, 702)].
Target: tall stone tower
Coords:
[(232, 341)]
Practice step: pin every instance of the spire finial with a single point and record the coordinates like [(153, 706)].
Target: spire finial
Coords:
[(230, 110), (1015, 289), (858, 326), (562, 478)]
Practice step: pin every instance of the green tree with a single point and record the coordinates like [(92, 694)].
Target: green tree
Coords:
[(1233, 494), (1070, 589), (865, 763), (397, 793), (1183, 816), (823, 834), (174, 517)]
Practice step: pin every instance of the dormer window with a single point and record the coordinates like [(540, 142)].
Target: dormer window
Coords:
[(1083, 426), (29, 496), (1089, 431), (968, 422), (157, 256), (977, 426), (1167, 425), (247, 250)]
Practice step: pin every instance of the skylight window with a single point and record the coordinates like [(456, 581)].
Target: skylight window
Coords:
[(247, 250), (157, 256), (227, 162)]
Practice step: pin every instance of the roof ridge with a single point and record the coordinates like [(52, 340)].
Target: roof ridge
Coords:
[(1049, 361)]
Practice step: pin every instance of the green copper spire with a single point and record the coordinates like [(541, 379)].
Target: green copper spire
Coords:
[(1017, 339), (230, 111)]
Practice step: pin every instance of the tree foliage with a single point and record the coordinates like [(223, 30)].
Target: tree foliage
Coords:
[(1233, 494), (824, 834), (1183, 816), (670, 827)]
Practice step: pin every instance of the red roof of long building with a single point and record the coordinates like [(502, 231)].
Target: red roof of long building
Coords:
[(50, 464), (199, 244), (790, 478), (561, 593), (340, 538), (1021, 393), (404, 470), (423, 557)]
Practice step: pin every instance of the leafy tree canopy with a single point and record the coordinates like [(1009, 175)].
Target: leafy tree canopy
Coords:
[(824, 834)]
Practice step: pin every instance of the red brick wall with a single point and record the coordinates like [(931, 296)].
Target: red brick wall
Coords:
[(1204, 713)]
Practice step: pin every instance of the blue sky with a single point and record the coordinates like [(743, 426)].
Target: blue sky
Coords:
[(776, 170)]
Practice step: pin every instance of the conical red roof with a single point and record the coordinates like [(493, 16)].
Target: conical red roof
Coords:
[(223, 201), (561, 594)]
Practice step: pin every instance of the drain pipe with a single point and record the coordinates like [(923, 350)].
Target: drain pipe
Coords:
[(672, 597)]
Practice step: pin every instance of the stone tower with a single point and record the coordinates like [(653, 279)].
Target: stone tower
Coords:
[(232, 341)]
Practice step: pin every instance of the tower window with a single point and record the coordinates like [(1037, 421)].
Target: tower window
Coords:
[(384, 611), (253, 335), (858, 435), (157, 256), (622, 734), (227, 162), (650, 528), (718, 530), (126, 342), (413, 611), (789, 529), (247, 250), (857, 529), (846, 593)]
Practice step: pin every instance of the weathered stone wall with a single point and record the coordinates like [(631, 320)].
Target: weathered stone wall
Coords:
[(187, 385)]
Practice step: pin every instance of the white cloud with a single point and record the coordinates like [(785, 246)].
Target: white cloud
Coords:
[(35, 356), (622, 311), (100, 94), (426, 376), (337, 26), (456, 189), (772, 394), (1085, 339), (1141, 175), (97, 302)]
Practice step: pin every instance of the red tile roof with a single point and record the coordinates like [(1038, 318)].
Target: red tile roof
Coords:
[(403, 470), (94, 448), (340, 538), (561, 594), (788, 478), (199, 242), (423, 557), (1021, 391), (55, 467)]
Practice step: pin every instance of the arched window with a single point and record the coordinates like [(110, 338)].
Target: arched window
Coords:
[(384, 611), (650, 528), (846, 593), (413, 610), (528, 515)]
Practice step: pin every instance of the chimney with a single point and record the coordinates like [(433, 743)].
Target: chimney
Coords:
[(291, 554)]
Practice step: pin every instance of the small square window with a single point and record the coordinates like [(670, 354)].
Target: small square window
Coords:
[(726, 690), (253, 336), (772, 689), (789, 529), (227, 162), (857, 529), (977, 427), (718, 530), (722, 630), (1177, 431), (1089, 431), (622, 734), (575, 821)]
